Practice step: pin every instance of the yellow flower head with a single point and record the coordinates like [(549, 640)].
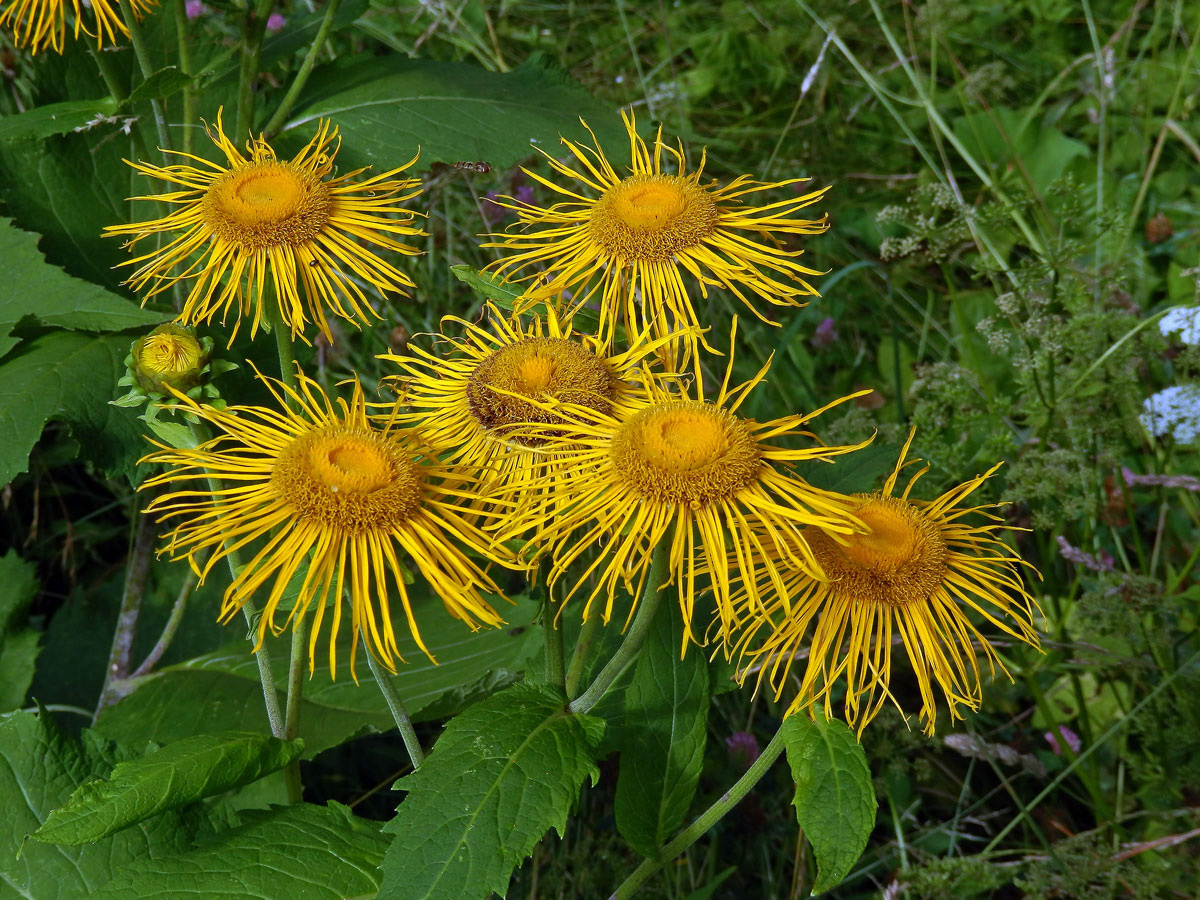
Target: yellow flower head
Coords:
[(259, 218), (317, 493), (665, 467), (39, 24), (914, 576), (168, 355), (634, 240), (483, 402)]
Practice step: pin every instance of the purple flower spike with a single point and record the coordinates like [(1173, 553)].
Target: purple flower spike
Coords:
[(493, 212), (1067, 735), (275, 23), (743, 748), (195, 9), (825, 334)]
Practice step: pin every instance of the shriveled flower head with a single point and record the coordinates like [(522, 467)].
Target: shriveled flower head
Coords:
[(914, 580), (258, 220), (312, 491), (39, 24), (666, 467), (482, 401), (632, 238)]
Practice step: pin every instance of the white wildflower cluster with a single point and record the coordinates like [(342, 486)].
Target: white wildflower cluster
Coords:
[(1185, 320), (1174, 411)]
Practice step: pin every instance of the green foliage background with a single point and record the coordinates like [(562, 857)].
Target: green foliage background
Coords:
[(1013, 204)]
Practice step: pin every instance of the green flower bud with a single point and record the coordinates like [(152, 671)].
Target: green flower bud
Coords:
[(168, 355)]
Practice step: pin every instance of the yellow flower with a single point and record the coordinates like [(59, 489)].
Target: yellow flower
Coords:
[(326, 498), (168, 355), (260, 219), (635, 240), (482, 403), (915, 576), (39, 24), (666, 468)]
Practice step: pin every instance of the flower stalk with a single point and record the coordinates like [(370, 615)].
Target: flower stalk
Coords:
[(652, 595)]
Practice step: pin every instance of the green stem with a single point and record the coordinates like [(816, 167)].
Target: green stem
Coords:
[(108, 72), (295, 695), (169, 630), (706, 820), (552, 633), (283, 339), (579, 658), (146, 64), (185, 63), (652, 594), (138, 570), (1119, 725), (1156, 152), (306, 67), (253, 30), (262, 655), (399, 713)]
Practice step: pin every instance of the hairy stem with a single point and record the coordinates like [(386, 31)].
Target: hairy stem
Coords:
[(705, 821), (170, 629), (644, 617), (383, 678), (136, 574), (185, 64), (251, 612), (295, 694), (306, 67), (146, 64), (253, 29)]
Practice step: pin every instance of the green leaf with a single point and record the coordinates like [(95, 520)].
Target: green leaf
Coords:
[(221, 691), (68, 188), (178, 774), (504, 293), (301, 852), (501, 774), (662, 745), (39, 769), (55, 118), (835, 799), (68, 377), (855, 472), (488, 286), (389, 107), (299, 35), (19, 581), (163, 83), (999, 136), (18, 657), (43, 293)]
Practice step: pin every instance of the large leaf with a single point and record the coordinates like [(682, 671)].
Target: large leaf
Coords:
[(46, 294), (389, 107), (221, 691), (1000, 137), (18, 643), (39, 769), (855, 472), (68, 377), (835, 799), (55, 118), (68, 188), (302, 852), (178, 774), (662, 745), (501, 774)]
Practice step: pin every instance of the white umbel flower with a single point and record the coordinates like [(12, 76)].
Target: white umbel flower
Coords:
[(1173, 411)]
